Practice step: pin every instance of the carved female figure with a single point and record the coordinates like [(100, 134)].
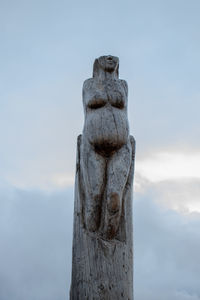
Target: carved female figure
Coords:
[(106, 150)]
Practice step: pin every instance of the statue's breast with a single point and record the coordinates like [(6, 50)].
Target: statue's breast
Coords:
[(109, 93), (97, 101), (116, 94)]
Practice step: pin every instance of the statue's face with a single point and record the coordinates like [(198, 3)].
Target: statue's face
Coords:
[(108, 63)]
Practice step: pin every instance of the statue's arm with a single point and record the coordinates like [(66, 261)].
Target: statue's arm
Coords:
[(125, 86), (86, 91)]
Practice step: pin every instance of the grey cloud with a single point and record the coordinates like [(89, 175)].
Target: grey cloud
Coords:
[(167, 247), (36, 244), (36, 238), (180, 194)]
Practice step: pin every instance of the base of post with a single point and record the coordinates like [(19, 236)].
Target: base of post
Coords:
[(102, 269)]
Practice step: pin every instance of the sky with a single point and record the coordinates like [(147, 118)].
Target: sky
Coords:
[(47, 51)]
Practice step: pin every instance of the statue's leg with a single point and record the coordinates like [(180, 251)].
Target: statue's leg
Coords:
[(117, 173), (93, 182)]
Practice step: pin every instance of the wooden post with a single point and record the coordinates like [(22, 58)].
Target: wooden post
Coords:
[(102, 263)]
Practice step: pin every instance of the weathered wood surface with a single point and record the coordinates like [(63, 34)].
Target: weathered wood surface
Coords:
[(102, 266)]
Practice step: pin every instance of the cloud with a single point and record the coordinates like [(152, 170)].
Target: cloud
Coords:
[(169, 165), (167, 222), (167, 247), (36, 247), (36, 244), (179, 195), (171, 178), (47, 181)]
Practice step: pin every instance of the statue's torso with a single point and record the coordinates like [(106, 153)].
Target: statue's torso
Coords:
[(106, 123)]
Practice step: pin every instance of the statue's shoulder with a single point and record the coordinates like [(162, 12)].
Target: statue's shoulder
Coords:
[(124, 84), (87, 84), (88, 89)]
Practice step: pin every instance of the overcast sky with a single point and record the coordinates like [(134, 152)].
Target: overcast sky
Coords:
[(47, 51)]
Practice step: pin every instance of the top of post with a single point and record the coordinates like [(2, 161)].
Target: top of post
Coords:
[(106, 66)]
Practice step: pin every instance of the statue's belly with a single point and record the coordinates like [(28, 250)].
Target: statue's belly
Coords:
[(106, 129)]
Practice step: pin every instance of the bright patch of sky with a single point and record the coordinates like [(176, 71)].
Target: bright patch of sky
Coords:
[(169, 166)]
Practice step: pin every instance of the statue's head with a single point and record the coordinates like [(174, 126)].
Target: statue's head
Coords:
[(107, 63)]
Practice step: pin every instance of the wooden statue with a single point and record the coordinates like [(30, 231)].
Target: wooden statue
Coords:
[(102, 266)]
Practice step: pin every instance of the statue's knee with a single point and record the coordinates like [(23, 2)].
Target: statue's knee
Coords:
[(114, 212), (113, 204)]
